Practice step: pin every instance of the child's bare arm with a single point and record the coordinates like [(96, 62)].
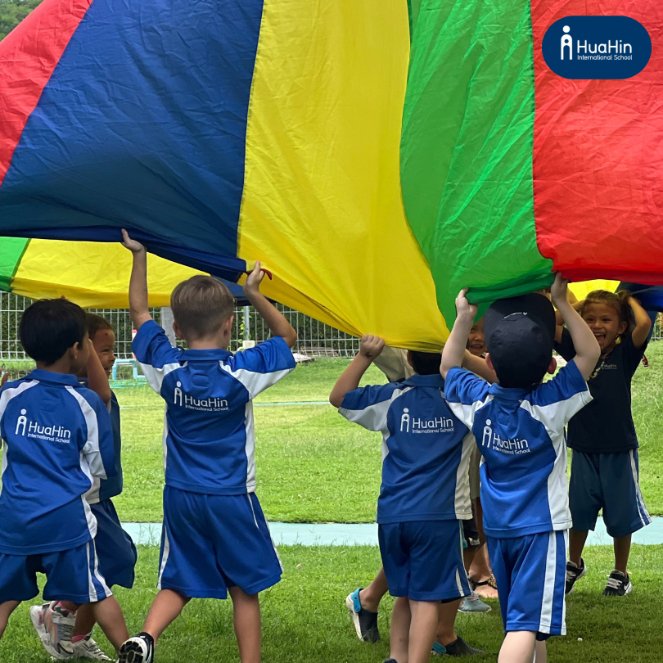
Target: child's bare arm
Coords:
[(369, 349), (453, 352), (138, 307), (97, 380), (274, 319), (642, 323), (586, 346), (479, 366)]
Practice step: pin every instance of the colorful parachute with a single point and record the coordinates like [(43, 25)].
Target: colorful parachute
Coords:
[(228, 131), (510, 170)]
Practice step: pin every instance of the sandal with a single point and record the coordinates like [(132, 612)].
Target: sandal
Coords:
[(490, 580)]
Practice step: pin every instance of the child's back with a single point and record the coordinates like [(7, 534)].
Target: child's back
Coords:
[(48, 422), (209, 434), (425, 448)]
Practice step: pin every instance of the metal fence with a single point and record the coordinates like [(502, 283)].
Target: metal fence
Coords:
[(314, 338)]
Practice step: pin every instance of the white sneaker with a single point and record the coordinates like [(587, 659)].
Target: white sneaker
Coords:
[(54, 630), (88, 648)]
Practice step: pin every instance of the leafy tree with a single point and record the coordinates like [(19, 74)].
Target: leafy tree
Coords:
[(12, 12)]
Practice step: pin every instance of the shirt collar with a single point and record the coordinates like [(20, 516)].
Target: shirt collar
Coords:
[(211, 354), (508, 393), (50, 376), (434, 380)]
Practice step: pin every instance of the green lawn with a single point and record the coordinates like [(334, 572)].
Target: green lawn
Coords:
[(313, 466), (304, 619)]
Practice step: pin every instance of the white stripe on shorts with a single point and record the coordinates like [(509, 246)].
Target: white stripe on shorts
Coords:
[(642, 509), (92, 592), (165, 554), (549, 585)]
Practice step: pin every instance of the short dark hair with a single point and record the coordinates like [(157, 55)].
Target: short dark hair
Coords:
[(201, 305), (96, 323), (425, 363), (49, 327)]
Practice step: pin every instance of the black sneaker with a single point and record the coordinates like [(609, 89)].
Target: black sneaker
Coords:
[(139, 649), (573, 573), (365, 621), (619, 584), (460, 648)]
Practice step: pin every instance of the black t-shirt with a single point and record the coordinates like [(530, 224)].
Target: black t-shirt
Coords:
[(606, 424)]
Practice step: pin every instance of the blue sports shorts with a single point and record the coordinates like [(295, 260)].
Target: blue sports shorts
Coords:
[(115, 549), (609, 482), (212, 542), (423, 560), (72, 575), (531, 574)]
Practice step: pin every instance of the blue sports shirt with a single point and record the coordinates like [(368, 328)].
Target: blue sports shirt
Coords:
[(520, 434), (209, 438), (57, 437), (425, 449), (105, 489)]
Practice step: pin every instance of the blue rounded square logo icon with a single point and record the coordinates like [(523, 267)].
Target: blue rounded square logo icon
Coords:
[(596, 47)]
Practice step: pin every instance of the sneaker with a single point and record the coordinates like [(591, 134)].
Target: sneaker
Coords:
[(365, 621), (88, 648), (139, 649), (619, 584), (574, 573), (473, 603), (54, 629), (456, 648)]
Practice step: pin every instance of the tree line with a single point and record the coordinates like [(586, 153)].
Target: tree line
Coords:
[(12, 12)]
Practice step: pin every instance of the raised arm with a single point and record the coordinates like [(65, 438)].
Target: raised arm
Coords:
[(138, 308), (586, 346), (274, 319), (453, 352), (642, 327), (369, 348), (479, 366)]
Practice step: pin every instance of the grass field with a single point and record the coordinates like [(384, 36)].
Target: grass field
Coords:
[(313, 466), (304, 619)]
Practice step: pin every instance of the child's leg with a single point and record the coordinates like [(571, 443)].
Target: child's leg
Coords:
[(540, 652), (400, 630), (423, 624), (166, 607), (84, 621), (577, 540), (371, 595), (6, 609), (622, 548), (246, 620), (111, 620), (446, 630), (518, 647)]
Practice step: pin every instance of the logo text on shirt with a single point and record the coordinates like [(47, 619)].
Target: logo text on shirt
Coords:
[(27, 427), (410, 424), (182, 399), (492, 440)]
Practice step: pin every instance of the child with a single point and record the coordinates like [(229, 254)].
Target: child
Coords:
[(604, 469), (57, 436), (519, 426), (424, 493), (215, 537), (67, 635)]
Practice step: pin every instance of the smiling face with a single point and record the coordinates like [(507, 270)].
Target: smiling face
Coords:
[(605, 323), (476, 342), (104, 346)]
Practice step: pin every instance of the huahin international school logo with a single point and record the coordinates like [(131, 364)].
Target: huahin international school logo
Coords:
[(596, 47)]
